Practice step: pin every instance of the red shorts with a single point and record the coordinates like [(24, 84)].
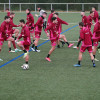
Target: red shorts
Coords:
[(25, 44), (53, 42), (95, 41), (82, 49), (37, 34)]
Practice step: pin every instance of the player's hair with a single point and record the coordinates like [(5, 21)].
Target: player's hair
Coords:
[(91, 11), (81, 24), (56, 13), (99, 18), (53, 18), (6, 17), (52, 10), (7, 8), (44, 13), (12, 13), (28, 9), (22, 21)]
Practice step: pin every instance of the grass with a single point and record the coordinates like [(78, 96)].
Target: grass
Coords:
[(57, 80)]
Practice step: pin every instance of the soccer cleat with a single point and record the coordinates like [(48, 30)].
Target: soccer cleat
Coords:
[(48, 59), (75, 47), (96, 59), (70, 45), (16, 50), (35, 50), (12, 51), (94, 65), (1, 60), (77, 65), (25, 54)]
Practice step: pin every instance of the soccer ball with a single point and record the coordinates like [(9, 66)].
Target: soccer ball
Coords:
[(25, 66)]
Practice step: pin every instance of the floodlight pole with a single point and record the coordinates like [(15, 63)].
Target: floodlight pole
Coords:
[(9, 4)]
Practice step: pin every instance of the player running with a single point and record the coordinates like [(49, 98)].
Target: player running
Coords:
[(25, 44), (41, 14), (50, 17), (6, 30), (84, 18), (96, 15), (59, 28), (85, 37), (30, 22), (96, 37), (53, 36), (38, 29)]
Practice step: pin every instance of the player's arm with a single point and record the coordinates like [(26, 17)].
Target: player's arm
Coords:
[(62, 22), (20, 36), (37, 23), (13, 25), (46, 30), (3, 28), (95, 28)]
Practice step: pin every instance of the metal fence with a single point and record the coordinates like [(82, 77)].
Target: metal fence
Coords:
[(61, 7)]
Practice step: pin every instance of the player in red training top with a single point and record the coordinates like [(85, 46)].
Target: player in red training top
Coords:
[(89, 19), (84, 18), (50, 17), (96, 15), (38, 29), (8, 12), (59, 28), (25, 44), (53, 36), (85, 37), (16, 31), (30, 22), (6, 29), (96, 37)]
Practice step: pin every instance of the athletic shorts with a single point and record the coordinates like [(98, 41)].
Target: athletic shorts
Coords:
[(53, 42), (37, 34), (82, 49), (25, 44), (31, 30), (95, 41)]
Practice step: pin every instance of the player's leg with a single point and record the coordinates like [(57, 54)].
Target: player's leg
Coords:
[(1, 43), (33, 36), (65, 40), (44, 25), (16, 31), (53, 44)]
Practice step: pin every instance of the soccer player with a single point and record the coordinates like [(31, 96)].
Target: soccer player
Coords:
[(96, 37), (8, 12), (96, 15), (30, 22), (84, 18), (50, 17), (53, 36), (89, 19), (25, 44), (41, 14), (59, 28), (85, 37), (38, 29), (6, 29)]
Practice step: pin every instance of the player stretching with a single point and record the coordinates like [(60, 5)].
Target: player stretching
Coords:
[(89, 19), (50, 17), (38, 29), (6, 32), (96, 37), (59, 28), (25, 44), (96, 15), (85, 37), (30, 22), (84, 18), (53, 36)]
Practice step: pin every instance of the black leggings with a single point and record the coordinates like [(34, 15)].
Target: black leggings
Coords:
[(44, 25)]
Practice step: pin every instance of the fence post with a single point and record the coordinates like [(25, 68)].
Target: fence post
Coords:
[(4, 7), (51, 6), (20, 7), (82, 7), (35, 7), (67, 7)]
